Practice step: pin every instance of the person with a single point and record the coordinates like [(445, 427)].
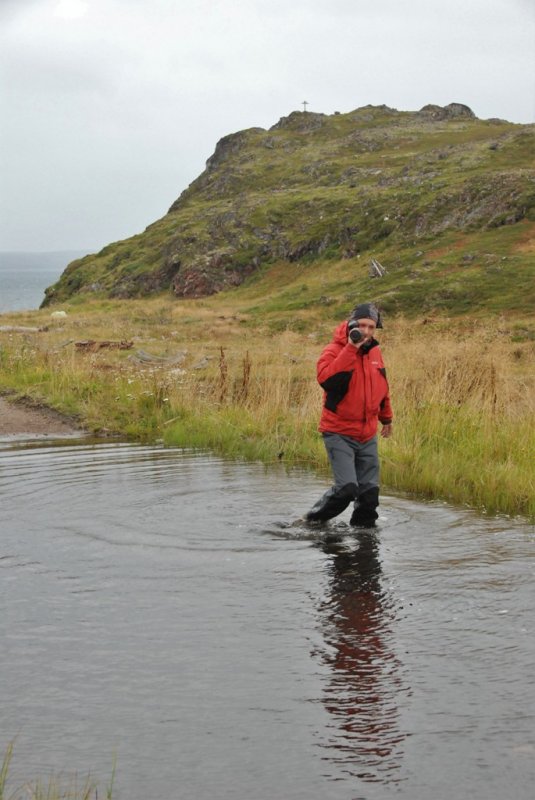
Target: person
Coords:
[(356, 397)]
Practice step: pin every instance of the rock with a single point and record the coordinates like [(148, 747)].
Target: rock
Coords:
[(58, 315), (20, 329), (459, 110), (450, 111), (228, 145), (202, 364), (210, 273), (301, 121), (368, 113)]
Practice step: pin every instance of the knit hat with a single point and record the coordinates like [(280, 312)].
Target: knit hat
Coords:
[(367, 311)]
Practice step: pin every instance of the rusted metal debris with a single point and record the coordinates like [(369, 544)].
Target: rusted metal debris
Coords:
[(91, 346)]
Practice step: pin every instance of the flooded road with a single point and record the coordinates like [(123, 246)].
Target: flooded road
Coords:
[(157, 606)]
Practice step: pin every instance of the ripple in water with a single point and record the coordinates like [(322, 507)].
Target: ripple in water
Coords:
[(157, 604)]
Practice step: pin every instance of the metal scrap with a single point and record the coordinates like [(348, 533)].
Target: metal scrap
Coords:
[(91, 346)]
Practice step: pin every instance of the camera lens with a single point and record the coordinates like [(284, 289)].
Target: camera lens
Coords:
[(354, 334)]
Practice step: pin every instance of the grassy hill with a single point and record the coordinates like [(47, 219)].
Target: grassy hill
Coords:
[(444, 201)]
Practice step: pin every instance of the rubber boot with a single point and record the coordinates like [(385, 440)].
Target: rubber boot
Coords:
[(332, 503), (365, 512)]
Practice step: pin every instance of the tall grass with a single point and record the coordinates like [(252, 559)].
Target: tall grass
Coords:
[(463, 394), (463, 430), (55, 788), (465, 410)]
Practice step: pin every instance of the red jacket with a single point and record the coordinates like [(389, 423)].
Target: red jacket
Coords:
[(356, 389)]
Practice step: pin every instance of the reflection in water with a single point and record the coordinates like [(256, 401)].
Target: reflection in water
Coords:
[(365, 682), (144, 615)]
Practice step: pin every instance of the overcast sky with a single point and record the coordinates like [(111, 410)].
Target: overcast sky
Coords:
[(110, 108)]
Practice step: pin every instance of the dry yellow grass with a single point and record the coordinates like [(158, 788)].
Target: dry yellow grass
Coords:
[(462, 390)]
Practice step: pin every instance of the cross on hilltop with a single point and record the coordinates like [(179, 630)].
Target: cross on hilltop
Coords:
[(305, 104)]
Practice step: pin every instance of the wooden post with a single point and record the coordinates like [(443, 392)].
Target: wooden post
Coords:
[(376, 269)]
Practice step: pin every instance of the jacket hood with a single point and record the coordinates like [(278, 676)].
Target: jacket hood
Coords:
[(340, 334)]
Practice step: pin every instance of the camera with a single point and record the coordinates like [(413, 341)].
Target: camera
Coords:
[(353, 330)]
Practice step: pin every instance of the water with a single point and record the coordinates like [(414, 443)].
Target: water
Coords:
[(156, 607), (25, 276)]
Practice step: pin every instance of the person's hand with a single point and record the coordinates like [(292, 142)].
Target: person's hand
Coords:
[(386, 431), (366, 328), (358, 345)]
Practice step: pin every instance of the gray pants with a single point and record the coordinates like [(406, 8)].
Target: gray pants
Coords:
[(355, 467), (352, 461)]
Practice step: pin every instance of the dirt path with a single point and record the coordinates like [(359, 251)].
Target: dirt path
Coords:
[(20, 418)]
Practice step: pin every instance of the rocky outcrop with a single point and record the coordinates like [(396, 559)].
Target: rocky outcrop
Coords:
[(301, 122), (209, 274), (230, 145), (452, 111), (318, 186)]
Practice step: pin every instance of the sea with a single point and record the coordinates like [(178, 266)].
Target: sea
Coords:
[(25, 276)]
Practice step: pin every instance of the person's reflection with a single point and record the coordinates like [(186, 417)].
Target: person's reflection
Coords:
[(364, 680)]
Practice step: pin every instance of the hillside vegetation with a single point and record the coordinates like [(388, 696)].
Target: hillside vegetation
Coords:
[(445, 202)]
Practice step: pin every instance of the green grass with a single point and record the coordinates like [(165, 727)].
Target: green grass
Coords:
[(452, 453), (56, 788)]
